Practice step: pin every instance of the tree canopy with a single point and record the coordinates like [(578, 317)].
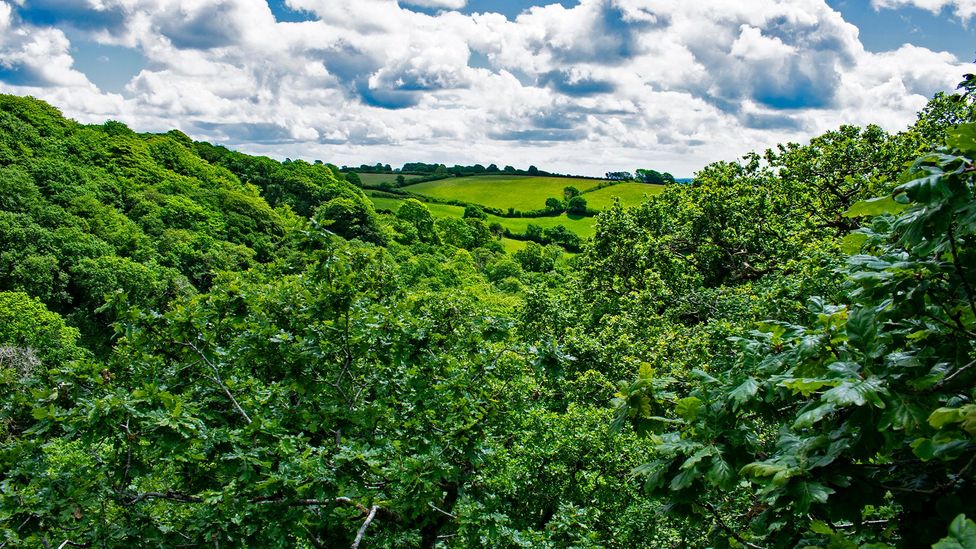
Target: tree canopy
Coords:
[(200, 347)]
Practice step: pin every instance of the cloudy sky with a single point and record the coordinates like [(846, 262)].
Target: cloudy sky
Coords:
[(580, 86)]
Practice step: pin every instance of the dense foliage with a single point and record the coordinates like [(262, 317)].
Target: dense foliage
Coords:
[(201, 347)]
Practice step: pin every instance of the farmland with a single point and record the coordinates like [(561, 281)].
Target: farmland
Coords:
[(377, 179), (628, 193), (522, 193), (582, 226)]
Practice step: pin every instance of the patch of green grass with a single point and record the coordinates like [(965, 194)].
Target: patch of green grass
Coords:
[(382, 203), (583, 226), (512, 246), (524, 193), (377, 179), (444, 210), (630, 194)]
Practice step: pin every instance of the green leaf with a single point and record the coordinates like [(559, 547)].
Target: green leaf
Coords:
[(853, 243), (944, 416), (745, 391), (862, 329), (697, 457), (720, 473), (820, 527), (761, 469), (806, 387), (962, 535), (962, 137), (857, 393), (875, 206), (812, 417), (688, 408), (684, 479), (809, 493)]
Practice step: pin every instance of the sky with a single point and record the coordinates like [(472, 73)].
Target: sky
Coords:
[(576, 86)]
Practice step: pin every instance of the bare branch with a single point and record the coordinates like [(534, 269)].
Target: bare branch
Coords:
[(220, 382), (171, 496), (362, 529), (439, 510)]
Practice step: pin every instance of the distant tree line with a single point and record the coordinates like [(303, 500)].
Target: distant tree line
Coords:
[(643, 176)]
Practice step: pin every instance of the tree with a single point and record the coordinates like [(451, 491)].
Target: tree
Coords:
[(654, 177), (863, 405), (532, 170), (569, 193), (562, 236), (417, 214), (472, 211), (554, 204), (537, 258), (576, 205), (351, 218), (400, 180)]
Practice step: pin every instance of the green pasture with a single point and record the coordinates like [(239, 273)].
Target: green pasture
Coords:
[(583, 226), (630, 194), (512, 246), (521, 192), (377, 179)]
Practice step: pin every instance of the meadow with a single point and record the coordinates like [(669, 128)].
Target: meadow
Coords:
[(582, 226), (377, 179), (630, 194), (523, 193)]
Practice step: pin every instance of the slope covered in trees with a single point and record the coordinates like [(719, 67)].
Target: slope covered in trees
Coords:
[(200, 347)]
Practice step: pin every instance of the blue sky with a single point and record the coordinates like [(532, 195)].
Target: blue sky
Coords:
[(583, 86)]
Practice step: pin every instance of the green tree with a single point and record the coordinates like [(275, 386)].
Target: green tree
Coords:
[(417, 214), (554, 204), (576, 205), (472, 211)]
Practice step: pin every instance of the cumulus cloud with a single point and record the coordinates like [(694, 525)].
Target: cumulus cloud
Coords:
[(604, 84), (964, 9), (445, 4)]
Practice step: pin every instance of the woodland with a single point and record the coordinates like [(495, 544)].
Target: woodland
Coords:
[(203, 348)]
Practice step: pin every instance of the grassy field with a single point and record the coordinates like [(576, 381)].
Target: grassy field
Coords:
[(523, 193), (583, 226), (512, 246), (377, 179), (630, 194)]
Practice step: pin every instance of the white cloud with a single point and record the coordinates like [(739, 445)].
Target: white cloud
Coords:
[(444, 4), (607, 84), (964, 9)]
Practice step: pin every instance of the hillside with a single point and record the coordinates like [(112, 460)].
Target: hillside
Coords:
[(200, 347)]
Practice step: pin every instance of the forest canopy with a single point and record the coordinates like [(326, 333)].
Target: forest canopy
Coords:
[(202, 347)]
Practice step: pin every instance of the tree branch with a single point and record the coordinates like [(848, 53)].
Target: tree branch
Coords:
[(441, 511), (959, 272), (945, 381), (220, 382), (362, 529), (170, 495), (728, 530)]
